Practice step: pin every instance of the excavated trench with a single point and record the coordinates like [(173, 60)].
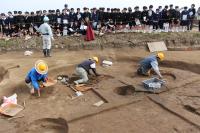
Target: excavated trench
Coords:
[(46, 125), (60, 125), (195, 68), (127, 90), (3, 73)]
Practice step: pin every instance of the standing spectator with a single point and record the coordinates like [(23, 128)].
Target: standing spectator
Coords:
[(137, 16), (184, 19), (156, 20), (107, 15), (177, 19), (144, 16), (31, 29), (21, 20), (4, 27), (65, 22), (79, 16), (27, 21), (44, 14), (198, 17), (7, 21), (165, 17), (86, 13), (38, 18), (95, 19), (50, 16), (101, 15), (72, 16), (160, 23), (172, 14), (191, 12), (130, 18), (58, 26), (124, 18), (150, 18), (118, 19), (14, 17), (11, 19)]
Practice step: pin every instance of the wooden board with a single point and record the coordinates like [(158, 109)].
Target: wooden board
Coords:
[(83, 88), (157, 46), (11, 109), (50, 82)]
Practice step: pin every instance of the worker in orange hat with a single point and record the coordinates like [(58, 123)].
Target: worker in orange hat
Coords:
[(36, 76), (151, 63)]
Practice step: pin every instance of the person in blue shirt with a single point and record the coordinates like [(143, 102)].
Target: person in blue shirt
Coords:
[(149, 63), (36, 76)]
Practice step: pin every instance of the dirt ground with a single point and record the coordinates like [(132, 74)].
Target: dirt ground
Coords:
[(133, 112)]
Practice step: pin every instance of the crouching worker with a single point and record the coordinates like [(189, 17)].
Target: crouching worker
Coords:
[(151, 63), (83, 70), (37, 76)]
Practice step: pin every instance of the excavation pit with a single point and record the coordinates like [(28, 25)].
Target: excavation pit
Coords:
[(125, 90)]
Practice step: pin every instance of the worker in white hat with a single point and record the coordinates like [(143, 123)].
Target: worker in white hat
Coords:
[(47, 35), (84, 68), (151, 63), (36, 76)]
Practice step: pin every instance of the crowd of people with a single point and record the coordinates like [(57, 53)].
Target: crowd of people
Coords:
[(73, 22)]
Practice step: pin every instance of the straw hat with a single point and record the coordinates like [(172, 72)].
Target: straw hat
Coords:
[(41, 67)]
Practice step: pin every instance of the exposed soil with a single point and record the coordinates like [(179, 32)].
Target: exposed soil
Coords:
[(126, 111), (46, 125)]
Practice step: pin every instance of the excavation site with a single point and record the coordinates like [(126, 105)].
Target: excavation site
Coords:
[(118, 100)]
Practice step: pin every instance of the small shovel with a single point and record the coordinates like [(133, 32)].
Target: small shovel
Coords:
[(78, 93)]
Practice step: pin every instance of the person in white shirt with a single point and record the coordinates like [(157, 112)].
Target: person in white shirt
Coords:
[(47, 35)]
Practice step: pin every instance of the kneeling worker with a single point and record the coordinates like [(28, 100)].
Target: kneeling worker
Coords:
[(83, 69), (37, 76), (149, 63)]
